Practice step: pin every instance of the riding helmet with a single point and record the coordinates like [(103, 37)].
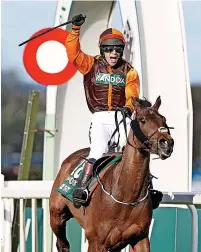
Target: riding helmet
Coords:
[(111, 36)]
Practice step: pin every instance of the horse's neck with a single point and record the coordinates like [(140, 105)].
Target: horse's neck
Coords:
[(132, 174)]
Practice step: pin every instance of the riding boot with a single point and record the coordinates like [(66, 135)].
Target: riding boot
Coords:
[(156, 196), (80, 194)]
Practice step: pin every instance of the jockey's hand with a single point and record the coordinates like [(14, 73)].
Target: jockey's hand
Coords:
[(78, 20), (126, 111)]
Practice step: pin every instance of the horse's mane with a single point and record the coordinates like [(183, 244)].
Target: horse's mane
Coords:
[(144, 103)]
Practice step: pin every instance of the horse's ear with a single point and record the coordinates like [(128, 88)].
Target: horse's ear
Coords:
[(135, 102), (157, 103)]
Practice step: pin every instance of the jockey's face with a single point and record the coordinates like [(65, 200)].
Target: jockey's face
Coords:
[(112, 58), (112, 54)]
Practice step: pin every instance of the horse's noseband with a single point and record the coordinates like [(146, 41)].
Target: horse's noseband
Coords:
[(141, 136), (138, 133)]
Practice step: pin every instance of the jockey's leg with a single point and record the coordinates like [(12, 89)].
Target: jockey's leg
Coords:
[(80, 194), (99, 139)]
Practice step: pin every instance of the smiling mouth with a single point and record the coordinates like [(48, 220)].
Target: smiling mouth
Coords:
[(113, 59)]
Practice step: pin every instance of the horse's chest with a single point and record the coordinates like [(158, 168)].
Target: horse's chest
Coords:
[(126, 227)]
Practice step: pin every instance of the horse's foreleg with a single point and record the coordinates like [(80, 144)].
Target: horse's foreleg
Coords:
[(58, 225), (142, 245), (59, 214)]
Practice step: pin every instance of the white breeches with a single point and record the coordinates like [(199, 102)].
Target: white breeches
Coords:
[(101, 130)]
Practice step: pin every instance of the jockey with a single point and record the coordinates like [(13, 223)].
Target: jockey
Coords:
[(109, 83)]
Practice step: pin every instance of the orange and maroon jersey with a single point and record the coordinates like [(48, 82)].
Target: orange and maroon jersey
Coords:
[(106, 87)]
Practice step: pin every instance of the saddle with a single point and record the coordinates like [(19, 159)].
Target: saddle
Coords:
[(100, 167)]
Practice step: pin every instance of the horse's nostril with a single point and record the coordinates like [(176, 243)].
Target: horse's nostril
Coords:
[(166, 143), (171, 142), (163, 142)]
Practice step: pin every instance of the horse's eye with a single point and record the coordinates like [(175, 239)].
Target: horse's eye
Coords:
[(143, 120)]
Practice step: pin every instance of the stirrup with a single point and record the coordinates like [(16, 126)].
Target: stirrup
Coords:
[(87, 193), (79, 193), (78, 202)]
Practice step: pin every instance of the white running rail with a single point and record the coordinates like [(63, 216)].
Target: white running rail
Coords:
[(22, 190), (34, 190)]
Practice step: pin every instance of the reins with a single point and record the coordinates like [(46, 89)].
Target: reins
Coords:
[(145, 140), (117, 127)]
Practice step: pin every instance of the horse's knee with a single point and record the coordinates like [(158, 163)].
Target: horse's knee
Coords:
[(56, 224), (62, 246)]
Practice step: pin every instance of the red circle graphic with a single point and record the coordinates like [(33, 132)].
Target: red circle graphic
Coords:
[(30, 61)]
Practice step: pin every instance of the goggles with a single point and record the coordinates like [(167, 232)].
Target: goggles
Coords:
[(111, 48)]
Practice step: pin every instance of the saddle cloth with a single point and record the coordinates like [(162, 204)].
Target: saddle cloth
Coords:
[(100, 167)]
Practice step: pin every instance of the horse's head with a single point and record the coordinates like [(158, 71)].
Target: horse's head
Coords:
[(150, 128)]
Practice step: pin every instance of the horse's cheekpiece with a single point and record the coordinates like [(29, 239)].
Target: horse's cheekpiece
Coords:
[(71, 183)]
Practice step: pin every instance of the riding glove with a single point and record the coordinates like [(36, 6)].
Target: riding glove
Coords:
[(78, 20), (127, 112)]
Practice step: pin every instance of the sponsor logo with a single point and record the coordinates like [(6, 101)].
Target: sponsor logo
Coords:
[(113, 79)]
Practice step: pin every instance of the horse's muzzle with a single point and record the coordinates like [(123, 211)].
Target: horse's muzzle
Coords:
[(165, 148)]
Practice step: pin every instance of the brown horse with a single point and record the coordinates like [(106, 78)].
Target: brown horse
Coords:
[(112, 221)]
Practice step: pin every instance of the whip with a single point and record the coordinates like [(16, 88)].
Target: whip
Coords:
[(49, 30)]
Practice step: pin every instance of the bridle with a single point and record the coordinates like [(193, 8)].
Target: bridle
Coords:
[(145, 140)]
